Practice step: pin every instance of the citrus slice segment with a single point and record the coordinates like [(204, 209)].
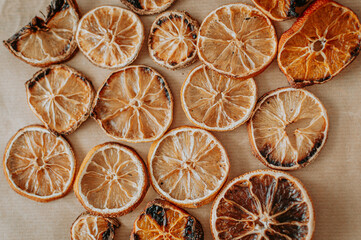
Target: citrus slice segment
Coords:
[(216, 102), (173, 40), (110, 37), (316, 48), (60, 97), (163, 220), (148, 7), (134, 105), (188, 166), (112, 180), (288, 128), (39, 165), (263, 204), (280, 10), (237, 40), (91, 227), (47, 41)]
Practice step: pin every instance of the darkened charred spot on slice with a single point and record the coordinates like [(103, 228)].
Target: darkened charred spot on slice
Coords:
[(191, 54), (186, 21), (265, 153), (194, 36), (167, 94), (177, 16), (158, 214), (313, 151), (31, 84), (170, 16), (136, 237), (355, 52), (57, 6), (42, 74), (162, 20), (135, 3), (247, 18), (193, 230), (191, 27), (173, 63), (188, 230), (295, 4), (109, 232)]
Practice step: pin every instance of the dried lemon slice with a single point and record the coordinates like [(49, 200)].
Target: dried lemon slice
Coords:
[(148, 7), (280, 10), (38, 164), (134, 105), (110, 37), (112, 180), (276, 133), (162, 220), (60, 97), (216, 102), (237, 40), (173, 40), (323, 42), (45, 42), (91, 227), (188, 166), (263, 204)]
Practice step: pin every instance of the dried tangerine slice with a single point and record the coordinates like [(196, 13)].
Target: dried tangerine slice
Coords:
[(188, 166), (134, 105), (112, 180), (163, 220), (39, 165), (60, 97), (280, 10), (91, 227), (263, 204), (45, 42), (148, 7), (237, 40), (288, 128), (110, 37), (216, 102), (173, 40), (323, 41)]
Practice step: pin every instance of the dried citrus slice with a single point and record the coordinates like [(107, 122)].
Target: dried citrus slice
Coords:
[(148, 7), (280, 10), (188, 166), (216, 102), (173, 39), (91, 227), (288, 128), (237, 40), (263, 204), (110, 37), (112, 180), (162, 220), (316, 48), (134, 105), (45, 42), (39, 165), (60, 97)]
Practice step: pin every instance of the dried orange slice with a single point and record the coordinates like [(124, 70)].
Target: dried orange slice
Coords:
[(39, 165), (162, 220), (60, 97), (173, 40), (288, 128), (263, 204), (188, 166), (237, 40), (91, 227), (147, 7), (110, 37), (216, 102), (45, 42), (280, 10), (112, 180), (134, 105), (316, 48)]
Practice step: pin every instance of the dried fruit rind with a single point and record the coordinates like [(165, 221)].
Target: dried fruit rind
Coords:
[(320, 44), (47, 41), (263, 204), (148, 7), (60, 97), (276, 111), (162, 219), (173, 40)]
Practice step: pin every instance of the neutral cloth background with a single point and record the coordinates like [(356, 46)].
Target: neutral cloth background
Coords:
[(333, 179)]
